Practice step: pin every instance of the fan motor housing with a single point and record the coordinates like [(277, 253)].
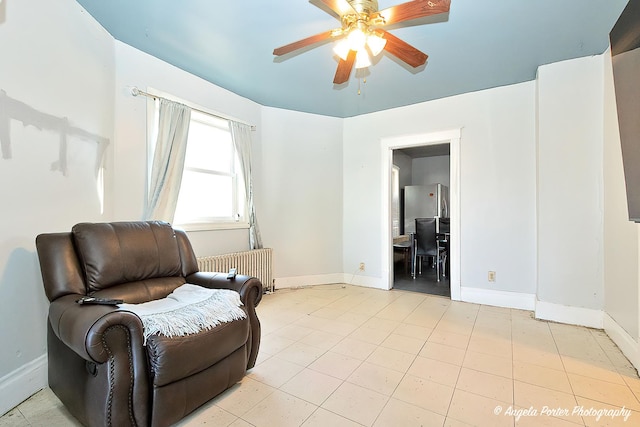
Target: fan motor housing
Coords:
[(364, 6)]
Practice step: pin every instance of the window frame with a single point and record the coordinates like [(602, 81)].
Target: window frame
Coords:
[(202, 223), (395, 202)]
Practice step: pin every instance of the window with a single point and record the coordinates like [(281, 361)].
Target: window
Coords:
[(212, 191)]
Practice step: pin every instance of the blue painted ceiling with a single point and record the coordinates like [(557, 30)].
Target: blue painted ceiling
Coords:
[(479, 45)]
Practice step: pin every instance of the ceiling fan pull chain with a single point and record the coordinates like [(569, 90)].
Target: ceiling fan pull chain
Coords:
[(364, 82)]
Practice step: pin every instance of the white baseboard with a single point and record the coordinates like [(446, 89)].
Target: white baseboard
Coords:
[(326, 279), (627, 344), (496, 298), (366, 281), (19, 385), (572, 315)]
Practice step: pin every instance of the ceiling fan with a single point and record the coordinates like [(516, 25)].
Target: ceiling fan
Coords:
[(362, 32)]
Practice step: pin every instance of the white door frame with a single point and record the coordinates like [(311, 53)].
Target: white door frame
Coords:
[(452, 137)]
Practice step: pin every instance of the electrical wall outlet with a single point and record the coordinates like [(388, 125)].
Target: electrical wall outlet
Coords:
[(491, 276), (361, 268)]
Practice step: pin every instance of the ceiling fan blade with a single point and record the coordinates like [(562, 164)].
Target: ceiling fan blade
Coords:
[(413, 10), (283, 50), (403, 50), (336, 8), (344, 68)]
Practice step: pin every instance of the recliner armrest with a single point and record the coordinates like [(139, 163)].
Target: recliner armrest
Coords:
[(249, 288), (82, 327)]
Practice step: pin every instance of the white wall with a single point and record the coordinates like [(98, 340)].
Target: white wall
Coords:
[(497, 182), (621, 275), (570, 183), (301, 188), (405, 164), (57, 67), (431, 170)]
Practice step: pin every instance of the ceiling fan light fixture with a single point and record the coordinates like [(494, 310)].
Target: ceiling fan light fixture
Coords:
[(342, 49), (376, 44), (362, 59), (357, 39)]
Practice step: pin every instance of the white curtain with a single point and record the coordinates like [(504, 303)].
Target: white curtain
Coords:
[(168, 160), (241, 134)]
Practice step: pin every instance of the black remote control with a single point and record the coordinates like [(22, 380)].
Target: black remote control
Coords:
[(99, 301)]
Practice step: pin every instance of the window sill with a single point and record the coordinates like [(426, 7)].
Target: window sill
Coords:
[(209, 226)]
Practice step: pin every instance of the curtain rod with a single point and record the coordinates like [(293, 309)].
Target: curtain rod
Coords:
[(137, 92)]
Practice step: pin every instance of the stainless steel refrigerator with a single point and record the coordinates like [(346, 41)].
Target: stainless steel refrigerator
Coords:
[(424, 201)]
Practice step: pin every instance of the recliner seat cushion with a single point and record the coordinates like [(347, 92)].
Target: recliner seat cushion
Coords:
[(173, 359), (121, 252)]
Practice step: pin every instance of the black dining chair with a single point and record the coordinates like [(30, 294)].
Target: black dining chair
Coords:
[(444, 226), (425, 244), (443, 236)]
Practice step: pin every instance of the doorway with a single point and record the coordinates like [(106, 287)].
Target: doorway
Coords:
[(420, 189), (388, 145)]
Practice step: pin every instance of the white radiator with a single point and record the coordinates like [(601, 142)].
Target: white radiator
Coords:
[(257, 263)]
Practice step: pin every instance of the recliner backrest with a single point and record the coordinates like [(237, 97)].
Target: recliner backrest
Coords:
[(114, 253), (135, 261)]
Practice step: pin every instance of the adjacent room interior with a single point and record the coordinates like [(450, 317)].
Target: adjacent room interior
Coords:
[(423, 172)]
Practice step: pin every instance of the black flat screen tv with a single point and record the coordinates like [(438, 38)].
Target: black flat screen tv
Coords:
[(625, 53)]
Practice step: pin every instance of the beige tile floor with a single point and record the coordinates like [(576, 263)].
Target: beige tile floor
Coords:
[(340, 355)]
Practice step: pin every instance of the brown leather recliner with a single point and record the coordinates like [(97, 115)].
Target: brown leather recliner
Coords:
[(99, 365)]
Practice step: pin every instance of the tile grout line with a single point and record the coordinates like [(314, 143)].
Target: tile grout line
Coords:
[(404, 374), (555, 343), (463, 359), (343, 381)]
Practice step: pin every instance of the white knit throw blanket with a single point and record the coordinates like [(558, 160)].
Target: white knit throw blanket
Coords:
[(189, 309)]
